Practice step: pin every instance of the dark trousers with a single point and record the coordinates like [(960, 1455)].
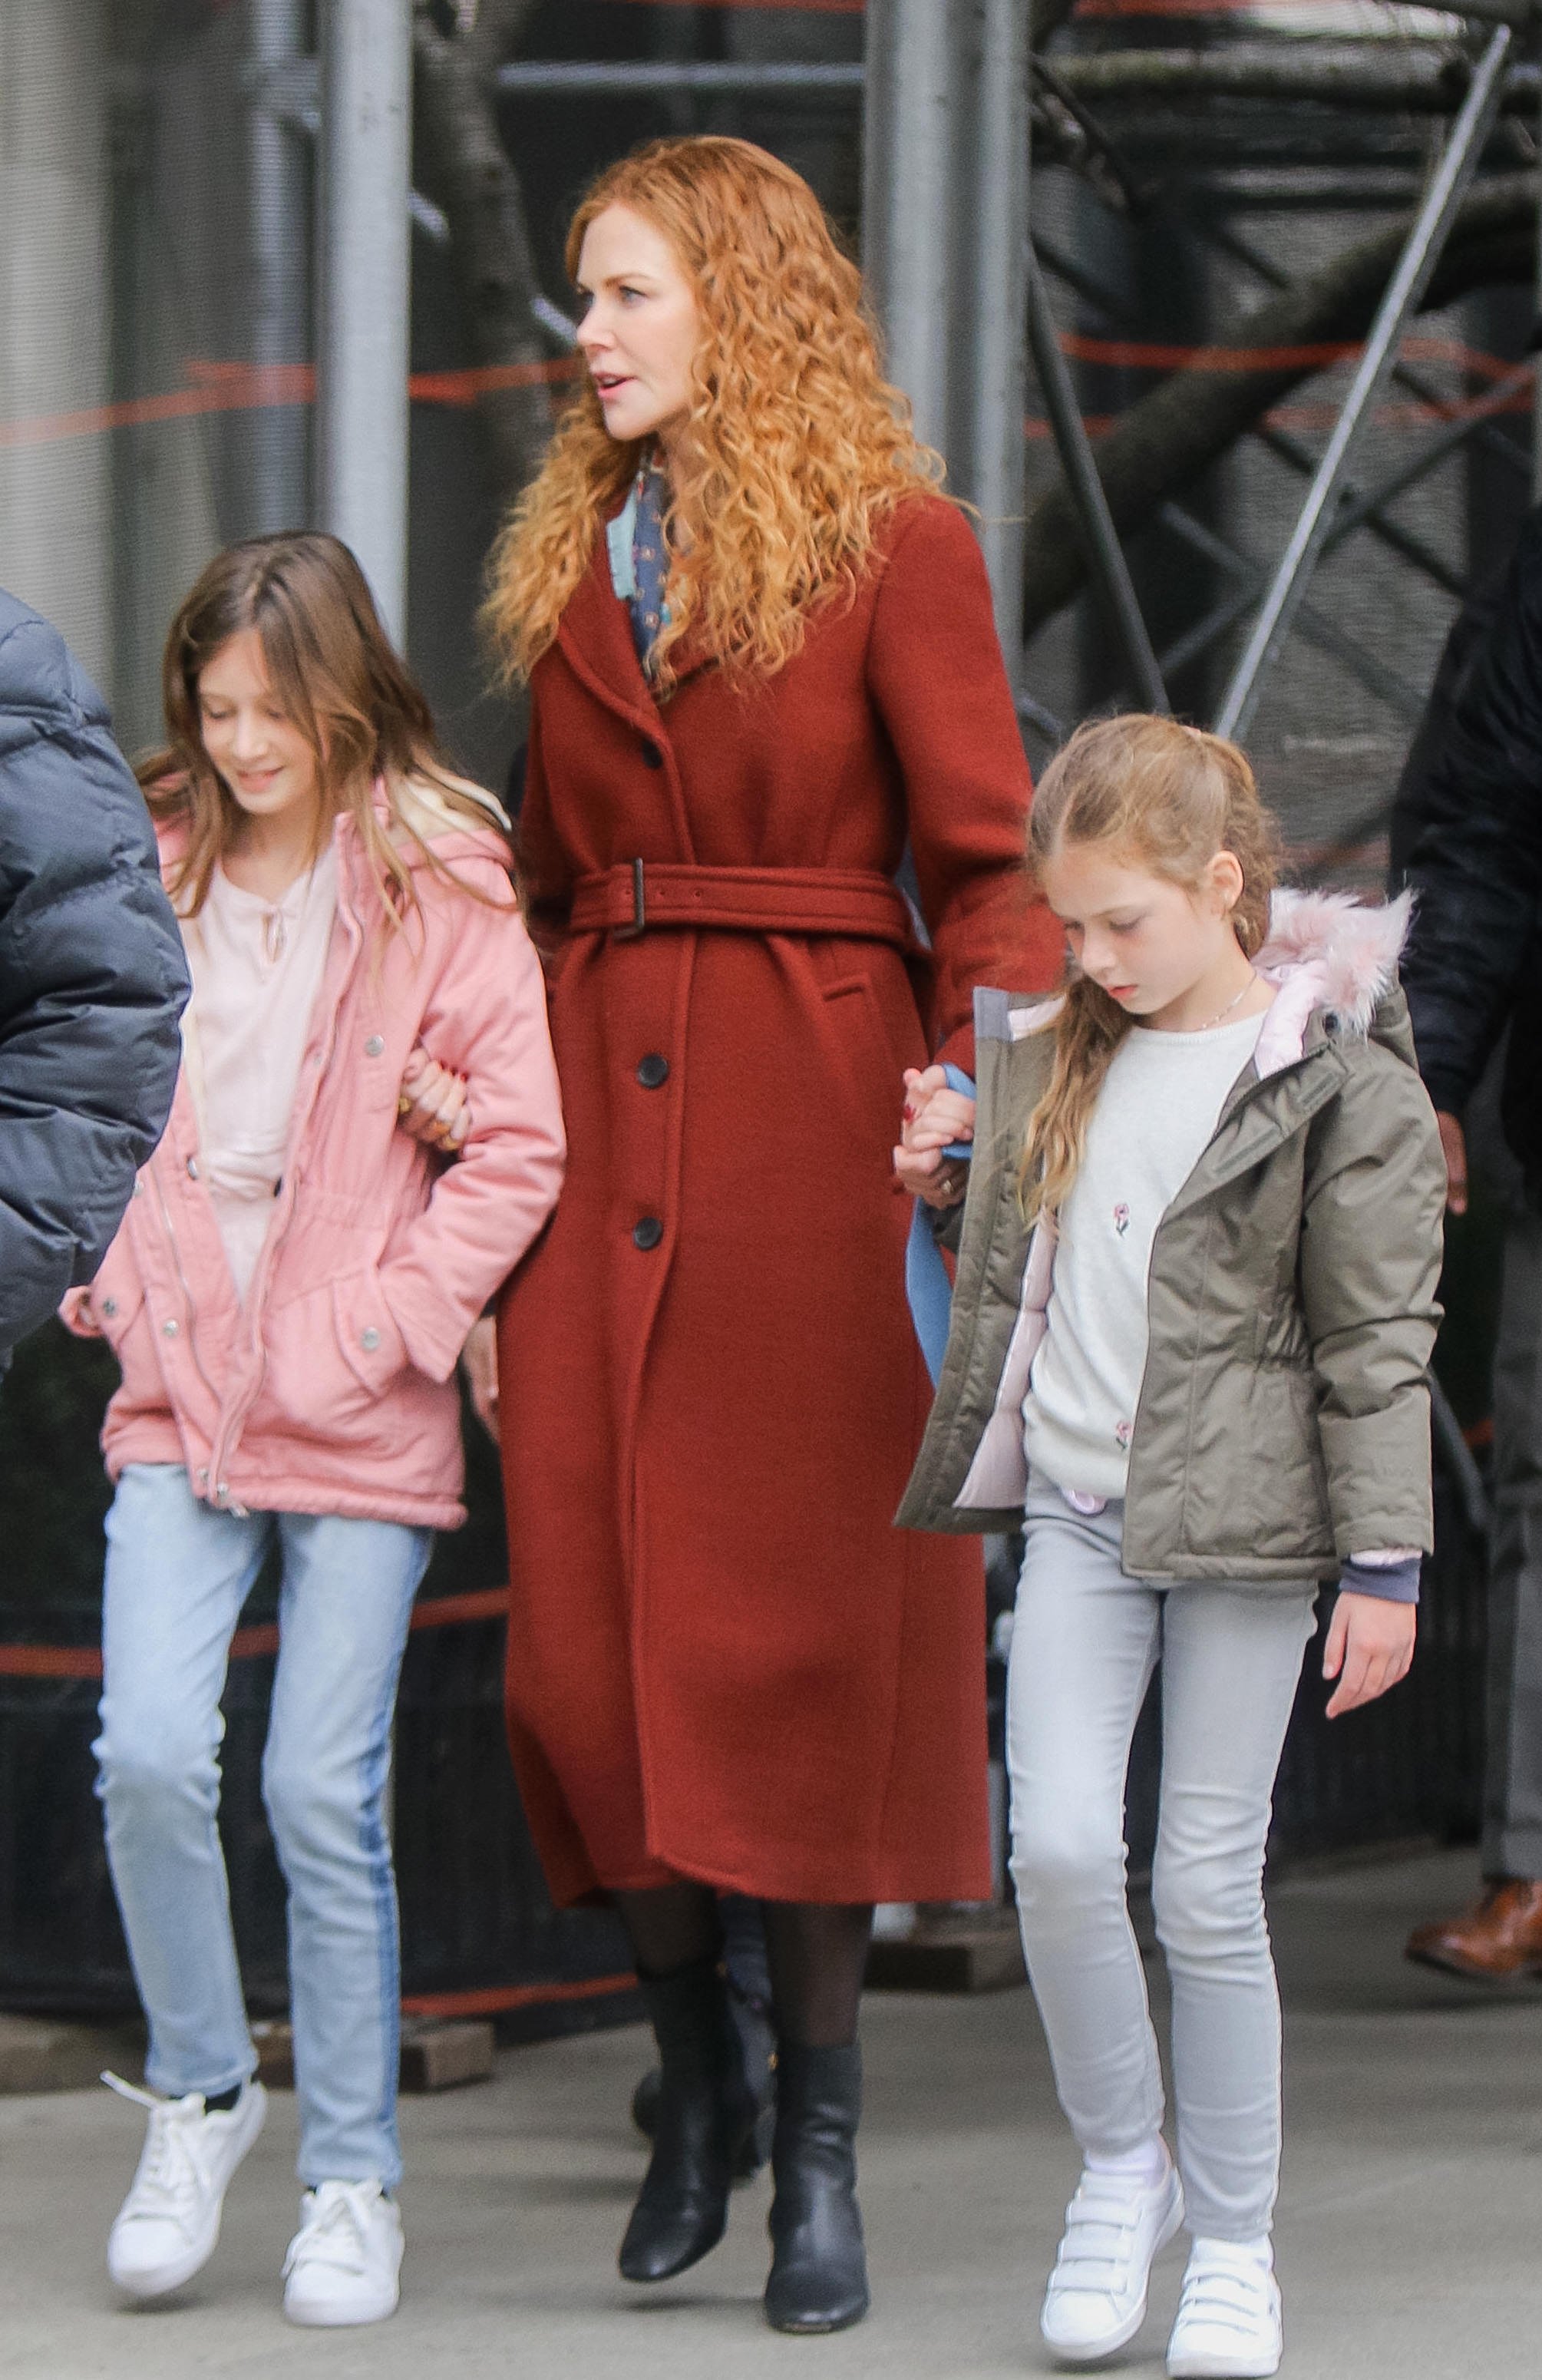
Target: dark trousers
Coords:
[(1513, 1783)]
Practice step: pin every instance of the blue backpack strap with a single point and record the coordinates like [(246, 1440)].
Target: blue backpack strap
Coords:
[(926, 1286)]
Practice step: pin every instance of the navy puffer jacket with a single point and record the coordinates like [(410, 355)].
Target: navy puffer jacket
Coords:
[(91, 977)]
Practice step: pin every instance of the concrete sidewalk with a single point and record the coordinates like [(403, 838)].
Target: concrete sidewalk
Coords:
[(1409, 2236)]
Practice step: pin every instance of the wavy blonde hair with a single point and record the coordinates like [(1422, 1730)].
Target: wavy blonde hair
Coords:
[(340, 681), (1164, 797), (797, 447)]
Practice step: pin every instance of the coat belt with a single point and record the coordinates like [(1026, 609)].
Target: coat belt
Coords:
[(638, 896)]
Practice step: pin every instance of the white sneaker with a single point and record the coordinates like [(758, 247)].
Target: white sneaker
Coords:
[(1114, 2232), (168, 2226), (1228, 2326), (344, 2261)]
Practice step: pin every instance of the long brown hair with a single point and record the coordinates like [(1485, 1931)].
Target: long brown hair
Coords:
[(335, 672), (797, 447), (1167, 797)]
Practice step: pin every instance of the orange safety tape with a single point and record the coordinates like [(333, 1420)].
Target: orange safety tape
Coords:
[(1409, 416), (1141, 355), (85, 1660), (808, 7), (499, 1998), (235, 388), (1178, 8), (243, 388)]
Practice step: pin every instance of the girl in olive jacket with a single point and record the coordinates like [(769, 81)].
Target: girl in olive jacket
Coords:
[(1195, 1305)]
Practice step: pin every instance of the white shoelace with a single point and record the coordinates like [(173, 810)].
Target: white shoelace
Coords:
[(337, 2230), (171, 2179)]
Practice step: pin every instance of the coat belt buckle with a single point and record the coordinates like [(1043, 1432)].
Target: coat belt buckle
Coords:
[(639, 926)]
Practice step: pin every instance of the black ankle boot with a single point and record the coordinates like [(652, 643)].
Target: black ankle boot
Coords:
[(819, 2274), (705, 2111)]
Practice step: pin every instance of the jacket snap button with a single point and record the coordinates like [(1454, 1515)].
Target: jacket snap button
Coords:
[(654, 1071), (651, 756), (373, 1046), (109, 1306), (168, 1330), (370, 1339), (192, 1169), (648, 1234)]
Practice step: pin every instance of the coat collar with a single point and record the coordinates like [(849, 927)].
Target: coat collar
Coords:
[(595, 633)]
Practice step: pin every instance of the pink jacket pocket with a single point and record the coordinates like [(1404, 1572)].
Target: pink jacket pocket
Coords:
[(368, 1334)]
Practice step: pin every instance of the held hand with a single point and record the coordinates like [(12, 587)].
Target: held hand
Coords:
[(78, 1315), (934, 1117), (1453, 1144), (1370, 1645), (478, 1361), (432, 1107)]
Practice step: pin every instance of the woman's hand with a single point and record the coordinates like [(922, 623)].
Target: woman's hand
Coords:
[(432, 1106), (478, 1361), (1370, 1645), (78, 1315), (934, 1116)]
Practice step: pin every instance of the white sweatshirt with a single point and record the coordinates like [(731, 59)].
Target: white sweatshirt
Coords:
[(1160, 1104), (257, 968)]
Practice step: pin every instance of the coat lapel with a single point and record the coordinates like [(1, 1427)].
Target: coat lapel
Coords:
[(595, 633)]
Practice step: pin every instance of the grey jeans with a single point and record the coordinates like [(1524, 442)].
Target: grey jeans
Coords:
[(1085, 1643), (1512, 1784)]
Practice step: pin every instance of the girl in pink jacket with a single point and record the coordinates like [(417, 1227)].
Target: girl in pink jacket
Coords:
[(287, 1298)]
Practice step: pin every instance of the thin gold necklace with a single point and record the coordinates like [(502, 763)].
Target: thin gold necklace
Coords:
[(1223, 1014)]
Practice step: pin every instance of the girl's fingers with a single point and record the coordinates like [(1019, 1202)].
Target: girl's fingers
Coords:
[(1350, 1691), (480, 1361), (79, 1315)]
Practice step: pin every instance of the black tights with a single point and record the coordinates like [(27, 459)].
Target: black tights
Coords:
[(817, 1952)]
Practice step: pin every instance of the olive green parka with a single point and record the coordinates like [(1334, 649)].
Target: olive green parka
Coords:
[(1283, 1420)]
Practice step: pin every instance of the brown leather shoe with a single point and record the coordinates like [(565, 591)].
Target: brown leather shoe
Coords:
[(1500, 1937)]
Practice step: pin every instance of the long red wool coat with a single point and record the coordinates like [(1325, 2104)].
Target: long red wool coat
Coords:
[(724, 1660)]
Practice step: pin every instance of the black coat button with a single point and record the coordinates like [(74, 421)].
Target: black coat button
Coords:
[(653, 1071), (648, 1234), (651, 756)]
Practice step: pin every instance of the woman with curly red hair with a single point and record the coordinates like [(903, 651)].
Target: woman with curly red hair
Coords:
[(762, 663)]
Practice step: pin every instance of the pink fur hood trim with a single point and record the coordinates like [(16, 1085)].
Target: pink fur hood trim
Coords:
[(1330, 951)]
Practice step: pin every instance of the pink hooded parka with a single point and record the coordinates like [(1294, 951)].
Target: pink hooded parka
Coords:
[(333, 1389)]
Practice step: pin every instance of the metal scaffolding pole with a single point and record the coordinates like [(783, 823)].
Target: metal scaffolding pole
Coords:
[(1105, 555), (945, 133), (1536, 380), (906, 199), (1420, 255), (649, 78), (365, 287), (280, 165), (996, 218)]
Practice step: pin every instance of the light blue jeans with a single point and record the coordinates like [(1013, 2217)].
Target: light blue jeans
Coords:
[(177, 1573), (1083, 1644)]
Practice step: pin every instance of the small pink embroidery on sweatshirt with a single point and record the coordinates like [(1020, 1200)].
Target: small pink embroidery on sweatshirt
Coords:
[(1122, 1219)]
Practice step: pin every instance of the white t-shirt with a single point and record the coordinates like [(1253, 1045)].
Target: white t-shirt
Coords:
[(1158, 1107), (257, 968)]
